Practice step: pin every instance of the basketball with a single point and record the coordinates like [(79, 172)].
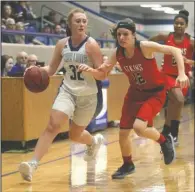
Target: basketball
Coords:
[(36, 79)]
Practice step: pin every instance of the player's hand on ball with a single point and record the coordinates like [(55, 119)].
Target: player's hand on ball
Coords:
[(31, 66), (84, 67), (183, 81), (28, 68)]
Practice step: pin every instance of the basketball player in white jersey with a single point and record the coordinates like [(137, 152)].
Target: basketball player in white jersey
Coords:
[(77, 97)]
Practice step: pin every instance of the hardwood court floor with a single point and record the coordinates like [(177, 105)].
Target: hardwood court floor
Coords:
[(60, 172)]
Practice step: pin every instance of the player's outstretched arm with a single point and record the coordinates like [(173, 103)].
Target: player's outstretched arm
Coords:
[(152, 47), (95, 55), (159, 38)]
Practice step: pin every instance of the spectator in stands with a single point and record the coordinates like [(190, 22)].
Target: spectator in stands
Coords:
[(63, 23), (3, 24), (32, 60), (43, 40), (57, 31), (7, 12), (105, 58), (7, 63), (18, 69), (20, 38), (30, 10), (52, 17), (9, 38), (24, 11), (10, 24)]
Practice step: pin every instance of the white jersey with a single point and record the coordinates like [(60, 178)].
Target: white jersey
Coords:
[(77, 83)]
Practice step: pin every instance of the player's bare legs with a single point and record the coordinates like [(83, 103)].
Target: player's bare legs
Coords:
[(174, 111), (57, 120), (80, 135), (140, 127), (125, 142), (126, 152)]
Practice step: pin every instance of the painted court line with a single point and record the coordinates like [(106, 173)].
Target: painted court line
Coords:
[(67, 156)]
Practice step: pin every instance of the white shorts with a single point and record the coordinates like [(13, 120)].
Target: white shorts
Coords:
[(80, 109)]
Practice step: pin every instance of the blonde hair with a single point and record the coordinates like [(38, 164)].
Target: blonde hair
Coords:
[(72, 12)]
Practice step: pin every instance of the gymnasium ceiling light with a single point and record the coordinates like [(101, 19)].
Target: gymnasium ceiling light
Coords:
[(174, 12), (150, 5)]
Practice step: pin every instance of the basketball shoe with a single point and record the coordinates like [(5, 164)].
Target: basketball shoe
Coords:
[(92, 150), (26, 169)]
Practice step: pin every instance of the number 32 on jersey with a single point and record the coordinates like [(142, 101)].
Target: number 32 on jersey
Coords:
[(75, 74)]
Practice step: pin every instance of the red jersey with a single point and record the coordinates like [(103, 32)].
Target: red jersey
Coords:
[(170, 65), (143, 73)]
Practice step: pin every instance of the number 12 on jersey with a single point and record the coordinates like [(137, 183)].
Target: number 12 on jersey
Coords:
[(138, 78)]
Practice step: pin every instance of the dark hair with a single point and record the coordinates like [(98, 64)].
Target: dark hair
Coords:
[(183, 14), (4, 59), (125, 23)]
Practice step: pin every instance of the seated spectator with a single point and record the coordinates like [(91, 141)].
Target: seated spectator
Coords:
[(32, 60), (18, 69), (9, 38), (57, 31), (3, 24), (43, 40), (63, 23), (7, 63), (105, 58), (20, 38), (7, 13), (10, 24)]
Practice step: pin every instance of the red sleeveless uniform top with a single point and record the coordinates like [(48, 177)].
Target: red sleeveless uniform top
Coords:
[(143, 73), (170, 66)]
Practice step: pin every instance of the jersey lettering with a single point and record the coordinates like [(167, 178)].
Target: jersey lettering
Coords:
[(75, 74), (138, 78)]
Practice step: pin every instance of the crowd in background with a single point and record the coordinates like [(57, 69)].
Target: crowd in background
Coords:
[(15, 67), (19, 16)]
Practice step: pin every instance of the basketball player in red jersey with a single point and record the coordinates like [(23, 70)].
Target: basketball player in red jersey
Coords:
[(183, 41), (146, 94)]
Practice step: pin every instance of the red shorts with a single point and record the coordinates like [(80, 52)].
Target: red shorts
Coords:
[(171, 80), (141, 105)]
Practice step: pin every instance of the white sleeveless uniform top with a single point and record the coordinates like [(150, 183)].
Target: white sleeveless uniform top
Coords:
[(74, 82)]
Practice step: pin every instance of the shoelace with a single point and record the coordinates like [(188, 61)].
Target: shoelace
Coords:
[(89, 150), (33, 164)]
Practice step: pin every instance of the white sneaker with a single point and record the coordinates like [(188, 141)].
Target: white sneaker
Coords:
[(26, 170), (92, 150)]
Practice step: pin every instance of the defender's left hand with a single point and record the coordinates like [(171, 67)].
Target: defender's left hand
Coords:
[(182, 81)]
